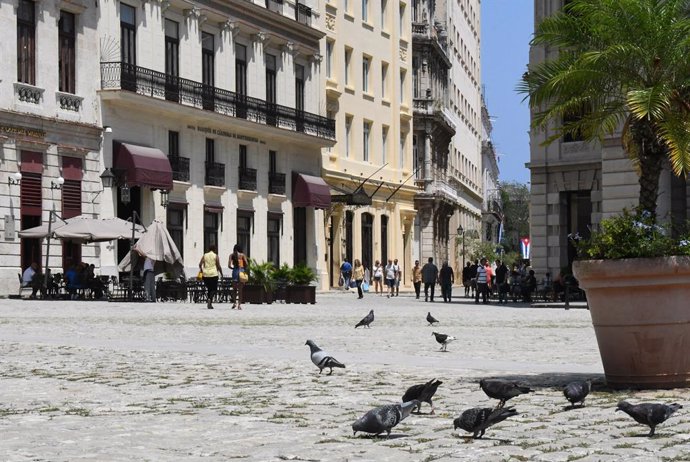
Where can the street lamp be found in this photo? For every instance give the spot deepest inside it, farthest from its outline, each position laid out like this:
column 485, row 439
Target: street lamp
column 107, row 178
column 14, row 178
column 165, row 198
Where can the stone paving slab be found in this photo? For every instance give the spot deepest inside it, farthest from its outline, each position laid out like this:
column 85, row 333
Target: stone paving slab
column 98, row 381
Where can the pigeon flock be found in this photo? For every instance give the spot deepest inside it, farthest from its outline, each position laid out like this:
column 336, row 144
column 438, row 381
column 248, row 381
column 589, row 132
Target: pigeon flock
column 475, row 420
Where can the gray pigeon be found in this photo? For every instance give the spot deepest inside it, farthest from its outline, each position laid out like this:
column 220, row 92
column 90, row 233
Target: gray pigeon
column 430, row 319
column 366, row 320
column 382, row 419
column 502, row 390
column 443, row 339
column 577, row 391
column 322, row 359
column 422, row 393
column 477, row 420
column 651, row 414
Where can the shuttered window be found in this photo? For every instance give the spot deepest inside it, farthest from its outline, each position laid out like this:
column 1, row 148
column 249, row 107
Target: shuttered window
column 26, row 42
column 71, row 199
column 31, row 194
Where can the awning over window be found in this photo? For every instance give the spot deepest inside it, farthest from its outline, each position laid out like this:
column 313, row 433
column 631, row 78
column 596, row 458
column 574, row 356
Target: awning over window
column 310, row 191
column 143, row 166
column 213, row 208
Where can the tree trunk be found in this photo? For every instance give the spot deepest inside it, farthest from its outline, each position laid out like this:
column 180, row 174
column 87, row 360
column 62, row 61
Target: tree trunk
column 652, row 153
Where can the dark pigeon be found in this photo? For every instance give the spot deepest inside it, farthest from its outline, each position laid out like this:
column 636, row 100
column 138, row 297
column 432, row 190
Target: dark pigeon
column 321, row 359
column 443, row 339
column 430, row 319
column 502, row 390
column 577, row 391
column 650, row 414
column 368, row 319
column 382, row 419
column 422, row 393
column 477, row 420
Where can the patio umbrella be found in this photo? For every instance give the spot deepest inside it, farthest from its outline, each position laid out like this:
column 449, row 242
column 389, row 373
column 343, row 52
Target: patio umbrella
column 41, row 232
column 97, row 230
column 157, row 244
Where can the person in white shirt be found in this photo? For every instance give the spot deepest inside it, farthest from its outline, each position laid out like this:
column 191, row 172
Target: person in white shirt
column 149, row 280
column 398, row 275
column 391, row 273
column 28, row 275
column 31, row 277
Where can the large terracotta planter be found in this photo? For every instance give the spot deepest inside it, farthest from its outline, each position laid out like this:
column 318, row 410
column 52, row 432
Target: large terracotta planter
column 640, row 309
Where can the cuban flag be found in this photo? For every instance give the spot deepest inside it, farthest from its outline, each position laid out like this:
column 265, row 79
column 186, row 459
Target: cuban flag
column 525, row 247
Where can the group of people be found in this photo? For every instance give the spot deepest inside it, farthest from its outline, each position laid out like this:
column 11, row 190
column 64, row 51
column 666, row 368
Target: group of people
column 210, row 270
column 386, row 278
column 430, row 275
column 78, row 277
column 481, row 278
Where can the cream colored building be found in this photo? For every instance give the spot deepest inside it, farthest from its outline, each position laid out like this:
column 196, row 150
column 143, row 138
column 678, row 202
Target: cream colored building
column 367, row 57
column 574, row 184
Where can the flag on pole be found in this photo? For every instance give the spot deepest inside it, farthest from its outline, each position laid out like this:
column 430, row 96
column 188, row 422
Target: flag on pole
column 525, row 247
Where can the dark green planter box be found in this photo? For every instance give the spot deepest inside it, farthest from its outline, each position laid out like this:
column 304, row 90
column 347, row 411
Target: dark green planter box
column 256, row 294
column 300, row 294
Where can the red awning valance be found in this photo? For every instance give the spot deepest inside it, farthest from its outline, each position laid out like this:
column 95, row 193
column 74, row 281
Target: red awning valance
column 310, row 191
column 143, row 166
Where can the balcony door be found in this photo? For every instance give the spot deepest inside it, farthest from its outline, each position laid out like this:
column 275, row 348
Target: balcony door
column 299, row 96
column 271, row 106
column 208, row 66
column 241, row 80
column 128, row 47
column 172, row 60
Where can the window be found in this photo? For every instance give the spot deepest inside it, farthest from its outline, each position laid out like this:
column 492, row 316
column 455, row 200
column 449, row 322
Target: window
column 272, row 162
column 401, row 19
column 348, row 57
column 273, row 238
column 208, row 65
column 416, row 90
column 66, row 58
column 402, row 150
column 402, row 87
column 175, row 226
column 210, row 150
column 384, row 8
column 366, row 62
column 243, row 156
column 365, row 140
column 174, row 144
column 26, row 42
column 384, row 238
column 348, row 135
column 299, row 87
column 329, row 59
column 244, row 231
column 384, row 144
column 384, row 80
column 241, row 80
column 347, row 5
column 172, row 60
column 365, row 10
column 128, row 35
column 211, row 230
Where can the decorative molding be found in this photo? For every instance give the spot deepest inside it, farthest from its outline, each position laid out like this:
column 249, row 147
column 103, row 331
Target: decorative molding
column 68, row 101
column 315, row 58
column 230, row 27
column 202, row 19
column 28, row 93
column 192, row 13
column 330, row 22
column 289, row 48
column 403, row 54
column 261, row 37
column 164, row 5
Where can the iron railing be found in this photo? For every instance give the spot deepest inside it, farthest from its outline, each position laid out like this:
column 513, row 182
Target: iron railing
column 147, row 82
column 247, row 178
column 180, row 168
column 215, row 174
column 303, row 14
column 276, row 183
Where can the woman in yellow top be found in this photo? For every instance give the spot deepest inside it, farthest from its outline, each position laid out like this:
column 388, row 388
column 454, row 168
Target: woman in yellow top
column 358, row 276
column 417, row 277
column 209, row 265
column 238, row 263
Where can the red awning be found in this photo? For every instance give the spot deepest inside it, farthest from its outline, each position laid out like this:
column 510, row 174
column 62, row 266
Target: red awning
column 143, row 166
column 310, row 191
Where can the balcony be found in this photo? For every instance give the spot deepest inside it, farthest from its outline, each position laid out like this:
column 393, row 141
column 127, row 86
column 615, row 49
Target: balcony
column 420, row 29
column 247, row 178
column 276, row 183
column 180, row 168
column 275, row 5
column 303, row 14
column 147, row 82
column 215, row 174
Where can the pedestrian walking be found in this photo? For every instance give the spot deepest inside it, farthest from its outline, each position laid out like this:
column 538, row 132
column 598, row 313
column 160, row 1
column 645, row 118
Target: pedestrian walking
column 482, row 285
column 391, row 273
column 346, row 273
column 239, row 264
column 149, row 280
column 417, row 278
column 398, row 277
column 446, row 278
column 467, row 278
column 378, row 278
column 429, row 277
column 358, row 275
column 502, row 282
column 210, row 268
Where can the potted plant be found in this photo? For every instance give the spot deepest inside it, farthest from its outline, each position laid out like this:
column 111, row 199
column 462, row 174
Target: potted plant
column 299, row 290
column 281, row 276
column 259, row 287
column 624, row 77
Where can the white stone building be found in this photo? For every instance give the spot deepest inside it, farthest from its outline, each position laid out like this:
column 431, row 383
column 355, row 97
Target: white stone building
column 492, row 209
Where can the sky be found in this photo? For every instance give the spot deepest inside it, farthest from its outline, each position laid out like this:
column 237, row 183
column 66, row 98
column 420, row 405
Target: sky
column 507, row 27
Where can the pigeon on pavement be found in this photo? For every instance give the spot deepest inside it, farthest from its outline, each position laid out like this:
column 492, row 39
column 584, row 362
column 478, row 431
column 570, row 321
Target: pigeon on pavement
column 422, row 393
column 382, row 419
column 577, row 391
column 366, row 320
column 502, row 390
column 477, row 420
column 430, row 319
column 651, row 414
column 443, row 339
column 321, row 359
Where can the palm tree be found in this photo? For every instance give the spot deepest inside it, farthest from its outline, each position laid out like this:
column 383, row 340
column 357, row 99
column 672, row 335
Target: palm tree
column 622, row 64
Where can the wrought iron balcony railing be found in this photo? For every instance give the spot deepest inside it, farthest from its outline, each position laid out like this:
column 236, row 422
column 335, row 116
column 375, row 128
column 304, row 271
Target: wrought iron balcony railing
column 180, row 168
column 276, row 183
column 215, row 174
column 247, row 179
column 303, row 14
column 147, row 82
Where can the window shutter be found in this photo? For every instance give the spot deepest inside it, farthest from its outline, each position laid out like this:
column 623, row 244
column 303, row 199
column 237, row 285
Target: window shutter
column 31, row 194
column 71, row 198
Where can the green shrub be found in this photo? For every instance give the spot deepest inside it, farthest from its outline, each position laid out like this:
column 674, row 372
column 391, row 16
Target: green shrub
column 302, row 275
column 262, row 274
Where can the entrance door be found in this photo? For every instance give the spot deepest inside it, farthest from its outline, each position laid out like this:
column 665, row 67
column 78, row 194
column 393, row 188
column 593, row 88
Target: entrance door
column 300, row 235
column 124, row 211
column 367, row 239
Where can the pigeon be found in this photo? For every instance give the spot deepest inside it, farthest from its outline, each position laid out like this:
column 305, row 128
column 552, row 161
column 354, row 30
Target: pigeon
column 382, row 419
column 477, row 420
column 366, row 320
column 430, row 319
column 502, row 390
column 651, row 414
column 443, row 339
column 321, row 359
column 422, row 393
column 577, row 391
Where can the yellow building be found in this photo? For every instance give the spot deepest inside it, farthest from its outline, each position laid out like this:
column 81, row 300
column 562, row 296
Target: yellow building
column 367, row 57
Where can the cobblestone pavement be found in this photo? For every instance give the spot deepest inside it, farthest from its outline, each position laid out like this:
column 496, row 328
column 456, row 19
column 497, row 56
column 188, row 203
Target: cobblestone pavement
column 109, row 382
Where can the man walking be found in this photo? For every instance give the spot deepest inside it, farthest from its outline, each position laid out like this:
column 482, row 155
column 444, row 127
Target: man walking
column 447, row 279
column 502, row 281
column 398, row 276
column 346, row 272
column 482, row 284
column 429, row 277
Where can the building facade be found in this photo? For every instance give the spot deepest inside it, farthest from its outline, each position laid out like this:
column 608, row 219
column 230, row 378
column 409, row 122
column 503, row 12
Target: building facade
column 50, row 135
column 575, row 184
column 367, row 73
column 492, row 210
